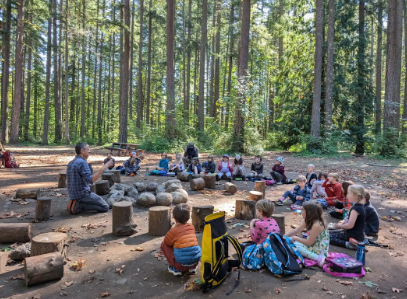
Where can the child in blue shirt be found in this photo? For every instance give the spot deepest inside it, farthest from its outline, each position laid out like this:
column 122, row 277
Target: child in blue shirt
column 163, row 163
column 300, row 194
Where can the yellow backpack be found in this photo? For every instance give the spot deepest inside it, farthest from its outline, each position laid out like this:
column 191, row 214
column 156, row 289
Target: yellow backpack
column 214, row 261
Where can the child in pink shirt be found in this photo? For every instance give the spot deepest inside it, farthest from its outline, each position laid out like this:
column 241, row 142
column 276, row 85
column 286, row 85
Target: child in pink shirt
column 262, row 227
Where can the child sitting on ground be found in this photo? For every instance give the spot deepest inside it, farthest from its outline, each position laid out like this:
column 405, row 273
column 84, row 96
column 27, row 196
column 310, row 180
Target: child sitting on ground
column 316, row 245
column 194, row 167
column 277, row 172
column 353, row 226
column 210, row 165
column 317, row 186
column 260, row 228
column 163, row 163
column 180, row 245
column 178, row 165
column 108, row 158
column 132, row 165
column 238, row 168
column 311, row 175
column 225, row 168
column 256, row 169
column 339, row 205
column 372, row 217
column 333, row 189
column 300, row 194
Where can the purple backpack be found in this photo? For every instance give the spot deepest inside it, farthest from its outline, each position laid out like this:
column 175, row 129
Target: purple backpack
column 343, row 265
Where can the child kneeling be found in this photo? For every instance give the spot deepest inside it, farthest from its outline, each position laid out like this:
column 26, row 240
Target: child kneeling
column 316, row 245
column 180, row 245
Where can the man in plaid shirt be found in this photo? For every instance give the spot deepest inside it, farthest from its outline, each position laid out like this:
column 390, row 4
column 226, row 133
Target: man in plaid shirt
column 79, row 176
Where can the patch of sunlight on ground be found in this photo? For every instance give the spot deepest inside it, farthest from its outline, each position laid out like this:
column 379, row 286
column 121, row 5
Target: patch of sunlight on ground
column 395, row 204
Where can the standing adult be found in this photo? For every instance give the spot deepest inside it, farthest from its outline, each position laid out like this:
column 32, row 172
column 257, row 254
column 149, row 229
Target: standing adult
column 79, row 176
column 191, row 151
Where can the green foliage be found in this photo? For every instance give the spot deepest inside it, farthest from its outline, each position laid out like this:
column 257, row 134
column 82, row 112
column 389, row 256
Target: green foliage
column 389, row 145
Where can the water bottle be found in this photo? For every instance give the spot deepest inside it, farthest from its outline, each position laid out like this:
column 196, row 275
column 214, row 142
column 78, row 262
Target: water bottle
column 360, row 253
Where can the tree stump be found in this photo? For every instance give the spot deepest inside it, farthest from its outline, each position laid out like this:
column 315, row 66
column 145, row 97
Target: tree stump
column 3, row 262
column 260, row 186
column 43, row 209
column 210, row 181
column 92, row 188
column 62, row 179
column 245, row 209
column 43, row 268
column 184, row 176
column 107, row 176
column 255, row 195
column 15, row 232
column 28, row 193
column 198, row 215
column 230, row 188
column 197, row 184
column 47, row 243
column 102, row 187
column 280, row 219
column 116, row 175
column 122, row 215
column 159, row 221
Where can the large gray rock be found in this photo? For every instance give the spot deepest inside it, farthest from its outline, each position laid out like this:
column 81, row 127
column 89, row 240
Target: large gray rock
column 140, row 186
column 164, row 199
column 182, row 191
column 114, row 196
column 146, row 199
column 152, row 187
column 132, row 192
column 169, row 182
column 21, row 252
column 173, row 187
column 179, row 197
column 160, row 189
column 130, row 199
column 120, row 187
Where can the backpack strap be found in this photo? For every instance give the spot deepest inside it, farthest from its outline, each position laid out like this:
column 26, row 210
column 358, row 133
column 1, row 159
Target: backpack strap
column 235, row 243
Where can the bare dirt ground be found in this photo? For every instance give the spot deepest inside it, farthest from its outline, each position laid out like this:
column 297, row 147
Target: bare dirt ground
column 146, row 276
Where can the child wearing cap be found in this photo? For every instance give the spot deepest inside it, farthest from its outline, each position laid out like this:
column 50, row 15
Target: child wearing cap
column 311, row 175
column 225, row 168
column 191, row 151
column 194, row 167
column 277, row 172
column 238, row 168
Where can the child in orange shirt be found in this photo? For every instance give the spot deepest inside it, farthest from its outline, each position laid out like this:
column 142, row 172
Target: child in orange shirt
column 180, row 245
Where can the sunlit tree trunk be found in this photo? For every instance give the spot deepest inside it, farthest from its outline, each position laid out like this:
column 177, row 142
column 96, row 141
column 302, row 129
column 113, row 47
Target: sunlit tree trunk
column 217, row 61
column 378, row 108
column 201, row 100
column 29, row 79
column 330, row 65
column 140, row 70
column 47, row 82
column 231, row 39
column 82, row 132
column 150, row 28
column 170, row 118
column 67, row 140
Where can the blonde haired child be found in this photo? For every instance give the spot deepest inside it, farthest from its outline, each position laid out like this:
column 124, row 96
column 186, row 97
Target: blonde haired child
column 260, row 228
column 178, row 165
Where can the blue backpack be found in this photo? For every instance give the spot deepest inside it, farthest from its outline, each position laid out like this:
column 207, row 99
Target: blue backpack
column 280, row 255
column 253, row 257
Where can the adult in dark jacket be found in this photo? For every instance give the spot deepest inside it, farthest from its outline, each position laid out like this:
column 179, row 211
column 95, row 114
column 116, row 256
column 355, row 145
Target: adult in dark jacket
column 191, row 151
column 372, row 217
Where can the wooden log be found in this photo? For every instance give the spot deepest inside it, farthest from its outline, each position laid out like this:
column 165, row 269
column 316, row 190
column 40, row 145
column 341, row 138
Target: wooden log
column 43, row 268
column 107, row 176
column 15, row 232
column 62, row 179
column 116, row 175
column 255, row 195
column 198, row 215
column 47, row 243
column 280, row 219
column 245, row 209
column 102, row 187
column 122, row 216
column 184, row 176
column 43, row 209
column 28, row 193
column 3, row 262
column 197, row 184
column 159, row 221
column 260, row 186
column 92, row 188
column 230, row 188
column 210, row 181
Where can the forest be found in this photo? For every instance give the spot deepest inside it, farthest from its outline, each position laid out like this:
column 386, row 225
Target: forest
column 239, row 76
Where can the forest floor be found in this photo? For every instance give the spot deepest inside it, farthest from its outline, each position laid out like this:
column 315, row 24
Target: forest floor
column 146, row 276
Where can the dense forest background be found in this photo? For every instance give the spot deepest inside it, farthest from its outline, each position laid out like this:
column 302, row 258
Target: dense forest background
column 231, row 75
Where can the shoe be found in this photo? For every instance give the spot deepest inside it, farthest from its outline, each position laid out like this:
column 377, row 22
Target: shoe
column 279, row 183
column 244, row 178
column 352, row 244
column 174, row 271
column 320, row 261
column 73, row 207
column 132, row 174
column 229, row 179
column 192, row 271
column 127, row 174
column 279, row 203
column 217, row 178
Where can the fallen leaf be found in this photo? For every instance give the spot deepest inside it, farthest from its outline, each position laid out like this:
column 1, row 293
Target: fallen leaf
column 63, row 293
column 68, row 283
column 345, row 282
column 248, row 291
column 92, row 271
column 365, row 296
column 60, row 230
column 120, row 270
column 379, row 291
column 277, row 290
column 139, row 249
column 104, row 294
column 396, row 290
column 78, row 265
column 330, row 292
column 17, row 276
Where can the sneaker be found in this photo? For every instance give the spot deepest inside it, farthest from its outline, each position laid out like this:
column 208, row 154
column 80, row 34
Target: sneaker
column 192, row 271
column 174, row 271
column 73, row 207
column 127, row 174
column 217, row 178
column 132, row 174
column 244, row 178
column 279, row 183
column 279, row 203
column 352, row 244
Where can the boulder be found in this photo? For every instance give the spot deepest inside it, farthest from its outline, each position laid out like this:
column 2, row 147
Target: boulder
column 130, row 199
column 21, row 252
column 173, row 187
column 182, row 191
column 178, row 197
column 169, row 182
column 152, row 187
column 146, row 199
column 120, row 187
column 114, row 196
column 132, row 192
column 160, row 189
column 140, row 186
column 164, row 199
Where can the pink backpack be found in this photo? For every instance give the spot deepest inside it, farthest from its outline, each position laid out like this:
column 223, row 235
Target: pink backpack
column 343, row 265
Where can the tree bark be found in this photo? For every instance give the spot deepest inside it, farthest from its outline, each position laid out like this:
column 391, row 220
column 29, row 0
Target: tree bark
column 231, row 39
column 122, row 219
column 100, row 111
column 19, row 69
column 245, row 209
column 210, row 181
column 57, row 98
column 404, row 118
column 319, row 40
column 28, row 193
column 29, row 79
column 133, row 8
column 43, row 268
column 330, row 65
column 67, row 139
column 140, row 69
column 197, row 184
column 230, row 188
column 201, row 100
column 378, row 106
column 217, row 62
column 255, row 195
column 48, row 243
column 16, row 232
column 280, row 219
column 188, row 91
column 159, row 221
column 170, row 119
column 150, row 33
column 261, row 187
column 95, row 70
column 82, row 131
column 62, row 179
column 102, row 187
column 198, row 215
column 43, row 209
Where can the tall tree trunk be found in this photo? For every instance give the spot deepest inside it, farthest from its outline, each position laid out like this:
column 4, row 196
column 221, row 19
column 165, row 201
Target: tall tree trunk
column 188, row 91
column 140, row 70
column 319, row 39
column 170, row 119
column 330, row 65
column 378, row 114
column 150, row 28
column 67, row 139
column 58, row 112
column 184, row 84
column 217, row 62
column 112, row 110
column 131, row 60
column 124, row 94
column 35, row 129
column 201, row 101
column 231, row 39
column 391, row 116
column 82, row 133
column 95, row 71
column 238, row 145
column 47, row 82
column 404, row 118
column 100, row 124
column 5, row 78
column 29, row 78
column 212, row 61
column 19, row 69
